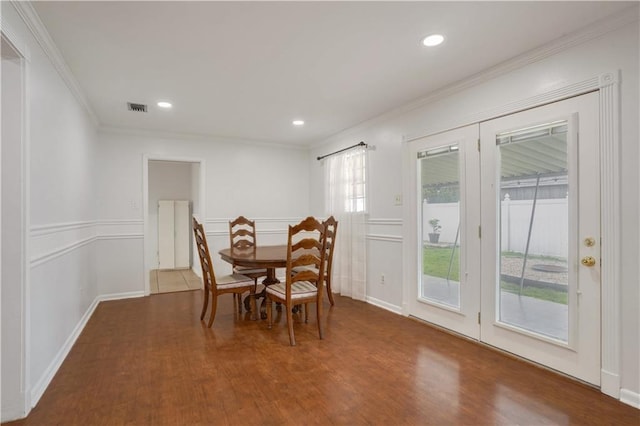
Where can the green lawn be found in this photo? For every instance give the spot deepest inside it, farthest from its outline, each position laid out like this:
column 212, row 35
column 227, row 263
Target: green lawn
column 436, row 264
column 535, row 292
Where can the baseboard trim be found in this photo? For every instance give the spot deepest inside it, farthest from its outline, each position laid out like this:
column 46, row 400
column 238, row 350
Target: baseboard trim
column 38, row 389
column 610, row 384
column 119, row 296
column 384, row 305
column 14, row 409
column 630, row 398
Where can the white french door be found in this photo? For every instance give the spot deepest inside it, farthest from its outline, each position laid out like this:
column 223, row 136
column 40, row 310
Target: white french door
column 448, row 202
column 541, row 235
column 508, row 234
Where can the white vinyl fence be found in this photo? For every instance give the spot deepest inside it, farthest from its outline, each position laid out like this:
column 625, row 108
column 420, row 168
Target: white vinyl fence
column 549, row 234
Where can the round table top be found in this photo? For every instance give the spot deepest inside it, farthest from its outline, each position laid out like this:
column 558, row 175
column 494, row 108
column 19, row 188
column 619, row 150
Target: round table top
column 257, row 257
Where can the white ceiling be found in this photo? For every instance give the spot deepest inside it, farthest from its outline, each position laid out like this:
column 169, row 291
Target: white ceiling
column 247, row 69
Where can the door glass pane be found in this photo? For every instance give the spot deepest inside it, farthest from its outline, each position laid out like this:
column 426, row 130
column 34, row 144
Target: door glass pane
column 533, row 252
column 440, row 204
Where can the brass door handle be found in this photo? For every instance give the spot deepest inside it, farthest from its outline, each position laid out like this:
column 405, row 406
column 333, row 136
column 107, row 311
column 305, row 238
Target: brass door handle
column 588, row 261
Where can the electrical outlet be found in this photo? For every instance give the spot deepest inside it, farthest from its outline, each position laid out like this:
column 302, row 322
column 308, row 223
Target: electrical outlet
column 382, row 279
column 398, row 200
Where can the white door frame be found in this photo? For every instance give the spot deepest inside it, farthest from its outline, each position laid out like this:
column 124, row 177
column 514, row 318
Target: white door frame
column 463, row 318
column 145, row 203
column 22, row 396
column 579, row 354
column 608, row 85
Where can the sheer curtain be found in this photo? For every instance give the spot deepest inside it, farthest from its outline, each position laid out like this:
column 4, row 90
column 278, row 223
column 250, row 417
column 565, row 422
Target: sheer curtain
column 346, row 200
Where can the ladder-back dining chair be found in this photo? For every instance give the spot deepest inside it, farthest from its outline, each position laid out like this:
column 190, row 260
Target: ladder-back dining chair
column 215, row 286
column 242, row 236
column 303, row 281
column 331, row 229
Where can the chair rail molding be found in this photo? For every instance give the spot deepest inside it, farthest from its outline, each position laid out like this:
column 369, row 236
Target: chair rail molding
column 384, row 238
column 50, row 241
column 382, row 221
column 52, row 228
column 120, row 229
column 216, row 221
column 60, row 251
column 219, row 227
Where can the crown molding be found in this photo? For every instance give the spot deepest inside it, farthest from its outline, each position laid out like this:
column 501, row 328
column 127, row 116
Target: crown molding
column 40, row 33
column 12, row 38
column 195, row 137
column 584, row 35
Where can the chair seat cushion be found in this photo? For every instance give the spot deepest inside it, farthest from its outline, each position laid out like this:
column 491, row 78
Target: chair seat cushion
column 233, row 281
column 248, row 270
column 299, row 290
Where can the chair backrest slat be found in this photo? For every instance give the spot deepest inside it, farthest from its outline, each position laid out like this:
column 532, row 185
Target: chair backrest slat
column 242, row 233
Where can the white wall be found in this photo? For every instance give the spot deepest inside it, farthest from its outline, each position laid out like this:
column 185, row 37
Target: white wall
column 61, row 278
column 264, row 182
column 617, row 50
column 168, row 180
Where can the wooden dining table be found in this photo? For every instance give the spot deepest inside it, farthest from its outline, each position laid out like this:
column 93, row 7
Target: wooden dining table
column 258, row 257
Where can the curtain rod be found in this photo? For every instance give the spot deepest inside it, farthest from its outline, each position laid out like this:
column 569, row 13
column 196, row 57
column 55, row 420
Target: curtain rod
column 343, row 149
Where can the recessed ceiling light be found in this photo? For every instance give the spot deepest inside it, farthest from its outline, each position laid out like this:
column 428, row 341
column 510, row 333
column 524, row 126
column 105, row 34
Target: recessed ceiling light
column 298, row 122
column 433, row 40
column 163, row 104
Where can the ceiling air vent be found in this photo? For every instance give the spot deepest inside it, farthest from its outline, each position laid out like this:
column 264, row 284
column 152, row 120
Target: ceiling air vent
column 136, row 107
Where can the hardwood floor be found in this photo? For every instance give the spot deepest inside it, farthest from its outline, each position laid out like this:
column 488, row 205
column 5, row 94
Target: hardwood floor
column 150, row 361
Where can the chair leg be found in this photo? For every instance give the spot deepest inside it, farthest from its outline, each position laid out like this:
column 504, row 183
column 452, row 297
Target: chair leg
column 319, row 317
column 239, row 300
column 214, row 307
column 269, row 313
column 306, row 312
column 205, row 303
column 254, row 306
column 329, row 292
column 292, row 338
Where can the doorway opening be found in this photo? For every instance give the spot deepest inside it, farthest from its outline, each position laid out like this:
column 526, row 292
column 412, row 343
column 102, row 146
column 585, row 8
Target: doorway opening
column 174, row 193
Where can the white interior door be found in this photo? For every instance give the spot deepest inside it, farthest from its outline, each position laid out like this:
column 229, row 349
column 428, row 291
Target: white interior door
column 540, row 245
column 166, row 235
column 447, row 290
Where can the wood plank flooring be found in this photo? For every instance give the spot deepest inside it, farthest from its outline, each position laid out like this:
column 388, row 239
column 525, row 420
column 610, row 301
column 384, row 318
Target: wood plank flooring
column 150, row 361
